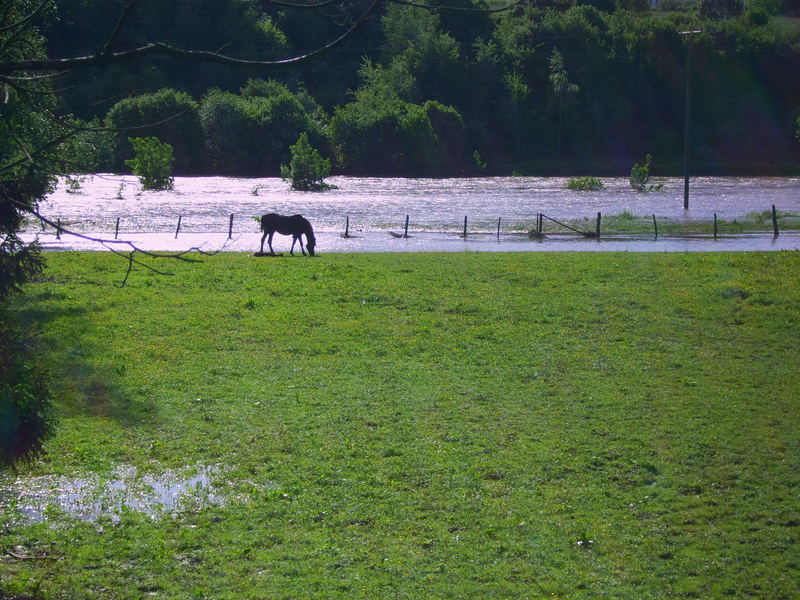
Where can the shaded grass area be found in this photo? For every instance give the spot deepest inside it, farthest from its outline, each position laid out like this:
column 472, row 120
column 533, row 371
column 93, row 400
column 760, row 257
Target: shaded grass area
column 428, row 426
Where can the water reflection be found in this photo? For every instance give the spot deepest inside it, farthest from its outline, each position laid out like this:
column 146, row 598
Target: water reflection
column 89, row 498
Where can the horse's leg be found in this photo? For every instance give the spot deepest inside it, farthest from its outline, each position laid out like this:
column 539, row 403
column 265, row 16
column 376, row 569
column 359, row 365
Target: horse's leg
column 263, row 237
column 300, row 238
column 269, row 242
column 294, row 239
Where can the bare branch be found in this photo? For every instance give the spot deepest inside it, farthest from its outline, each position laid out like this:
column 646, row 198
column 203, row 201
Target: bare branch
column 106, row 49
column 163, row 49
column 35, row 78
column 132, row 251
column 302, row 5
column 440, row 7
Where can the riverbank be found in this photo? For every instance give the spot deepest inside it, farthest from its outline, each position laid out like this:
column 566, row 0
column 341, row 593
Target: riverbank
column 427, row 425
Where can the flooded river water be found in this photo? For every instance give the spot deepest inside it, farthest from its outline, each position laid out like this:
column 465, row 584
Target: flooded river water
column 436, row 209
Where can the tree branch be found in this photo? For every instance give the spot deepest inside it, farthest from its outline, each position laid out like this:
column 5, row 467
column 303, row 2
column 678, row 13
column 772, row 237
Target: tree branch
column 439, row 7
column 164, row 49
column 25, row 20
column 21, row 26
column 129, row 255
column 106, row 49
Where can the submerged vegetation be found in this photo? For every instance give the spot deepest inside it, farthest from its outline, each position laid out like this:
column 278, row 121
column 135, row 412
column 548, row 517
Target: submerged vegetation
column 427, row 425
column 584, row 184
column 640, row 177
column 306, row 170
column 152, row 162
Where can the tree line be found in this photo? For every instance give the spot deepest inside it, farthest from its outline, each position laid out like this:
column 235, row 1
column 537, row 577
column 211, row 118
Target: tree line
column 570, row 86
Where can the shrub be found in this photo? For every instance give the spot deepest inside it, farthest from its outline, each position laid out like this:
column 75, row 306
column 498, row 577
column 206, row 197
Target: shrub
column 307, row 169
column 388, row 136
column 640, row 177
column 152, row 163
column 250, row 133
column 584, row 184
column 171, row 116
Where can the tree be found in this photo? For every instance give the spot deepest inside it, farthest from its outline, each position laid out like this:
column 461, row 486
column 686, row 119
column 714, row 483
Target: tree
column 720, row 9
column 169, row 115
column 306, row 170
column 152, row 163
column 250, row 133
column 640, row 177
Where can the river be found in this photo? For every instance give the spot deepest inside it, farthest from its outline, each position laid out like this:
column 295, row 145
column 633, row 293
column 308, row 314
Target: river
column 436, row 209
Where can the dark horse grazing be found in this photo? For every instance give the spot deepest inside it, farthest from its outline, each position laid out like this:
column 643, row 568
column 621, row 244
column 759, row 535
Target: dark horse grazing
column 294, row 226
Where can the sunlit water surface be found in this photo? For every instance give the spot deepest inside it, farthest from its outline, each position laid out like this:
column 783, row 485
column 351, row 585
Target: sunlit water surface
column 436, row 210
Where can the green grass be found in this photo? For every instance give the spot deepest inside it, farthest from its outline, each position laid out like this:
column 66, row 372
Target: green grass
column 426, row 426
column 629, row 223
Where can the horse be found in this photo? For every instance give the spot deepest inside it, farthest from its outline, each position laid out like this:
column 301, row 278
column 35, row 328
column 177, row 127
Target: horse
column 295, row 226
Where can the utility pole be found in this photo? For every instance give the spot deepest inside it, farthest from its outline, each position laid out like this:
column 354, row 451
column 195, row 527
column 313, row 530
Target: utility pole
column 688, row 116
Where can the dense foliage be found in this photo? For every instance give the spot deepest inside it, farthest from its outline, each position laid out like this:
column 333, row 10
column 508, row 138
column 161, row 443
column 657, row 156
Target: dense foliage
column 30, row 144
column 640, row 177
column 584, row 184
column 306, row 170
column 569, row 87
column 152, row 163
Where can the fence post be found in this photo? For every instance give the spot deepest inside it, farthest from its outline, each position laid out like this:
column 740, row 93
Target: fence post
column 405, row 230
column 539, row 224
column 498, row 227
column 598, row 226
column 774, row 221
column 347, row 226
column 178, row 228
column 465, row 227
column 655, row 225
column 715, row 225
column 230, row 227
column 116, row 229
column 58, row 229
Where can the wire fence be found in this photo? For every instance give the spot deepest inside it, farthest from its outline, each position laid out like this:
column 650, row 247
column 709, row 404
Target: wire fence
column 542, row 225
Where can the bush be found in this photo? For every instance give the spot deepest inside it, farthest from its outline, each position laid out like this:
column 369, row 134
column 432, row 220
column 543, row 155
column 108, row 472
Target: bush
column 640, row 177
column 307, row 169
column 584, row 184
column 152, row 163
column 250, row 133
column 384, row 135
column 170, row 116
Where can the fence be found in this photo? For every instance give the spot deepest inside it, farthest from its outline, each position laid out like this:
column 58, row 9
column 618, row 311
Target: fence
column 544, row 225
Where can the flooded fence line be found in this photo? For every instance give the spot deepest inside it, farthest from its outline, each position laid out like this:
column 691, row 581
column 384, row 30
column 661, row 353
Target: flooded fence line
column 536, row 231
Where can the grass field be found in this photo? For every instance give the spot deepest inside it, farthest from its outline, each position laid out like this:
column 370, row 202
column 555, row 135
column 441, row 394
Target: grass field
column 422, row 426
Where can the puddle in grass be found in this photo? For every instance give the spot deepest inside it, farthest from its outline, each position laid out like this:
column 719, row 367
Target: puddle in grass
column 38, row 499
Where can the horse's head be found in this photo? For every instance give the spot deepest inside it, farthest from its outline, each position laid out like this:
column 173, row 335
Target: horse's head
column 311, row 243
